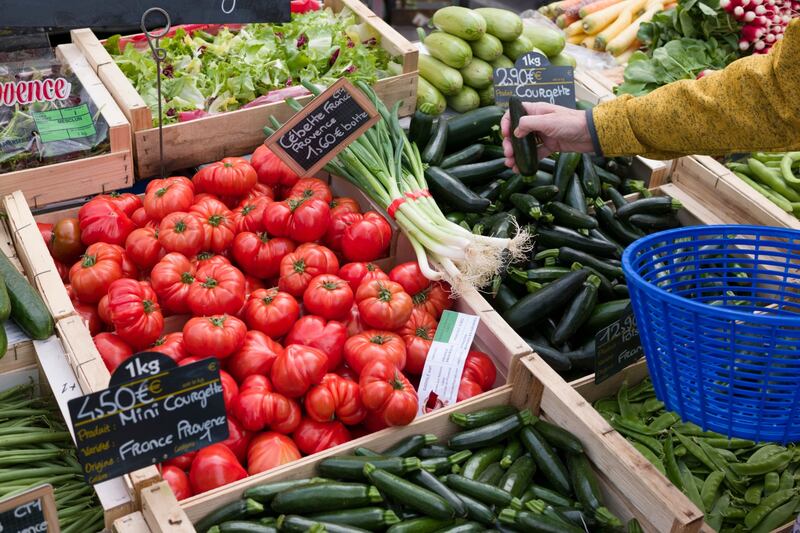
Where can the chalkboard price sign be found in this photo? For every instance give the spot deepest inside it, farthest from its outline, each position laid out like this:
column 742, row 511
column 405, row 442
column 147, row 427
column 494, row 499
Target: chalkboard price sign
column 102, row 13
column 618, row 345
column 323, row 128
column 534, row 79
column 161, row 414
column 33, row 511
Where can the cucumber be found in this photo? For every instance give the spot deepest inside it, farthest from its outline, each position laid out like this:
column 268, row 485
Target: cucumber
column 449, row 49
column 517, row 48
column 565, row 169
column 570, row 217
column 554, row 296
column 330, row 496
column 486, row 96
column 478, row 74
column 557, row 236
column 550, row 42
column 461, row 22
column 5, row 302
column 480, row 461
column 658, row 205
column 543, row 193
column 301, row 524
column 536, row 492
column 410, row 445
column 558, row 437
column 546, row 459
column 518, row 476
column 409, row 494
column 525, row 151
column 502, row 62
column 265, row 493
column 446, row 79
column 567, row 256
column 468, row 155
column 478, row 173
column 429, row 481
column 503, row 24
column 369, row 518
column 492, row 475
column 589, row 178
column 454, row 193
column 464, row 100
column 430, row 101
column 236, row 510
column 584, row 482
column 434, row 150
column 351, row 467
column 27, row 307
column 578, row 312
column 468, row 128
column 482, row 492
column 488, row 47
column 421, row 128
column 477, row 510
column 491, row 433
column 606, row 313
column 242, row 526
column 422, row 524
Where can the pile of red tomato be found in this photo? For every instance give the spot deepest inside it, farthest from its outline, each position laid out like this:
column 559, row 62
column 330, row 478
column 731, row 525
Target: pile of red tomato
column 318, row 344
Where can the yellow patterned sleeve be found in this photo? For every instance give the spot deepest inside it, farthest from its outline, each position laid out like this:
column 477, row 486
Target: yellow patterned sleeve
column 751, row 105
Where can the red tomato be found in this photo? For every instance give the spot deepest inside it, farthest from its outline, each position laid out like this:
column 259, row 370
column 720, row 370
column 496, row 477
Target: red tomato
column 63, row 270
column 271, row 312
column 249, row 216
column 357, row 273
column 337, row 227
column 218, row 224
column 140, row 218
column 171, row 278
column 260, row 256
column 311, row 188
column 386, row 390
column 260, row 190
column 467, row 389
column 129, row 268
column 143, row 248
column 171, row 345
column 102, row 221
column 126, row 201
column 177, row 480
column 383, row 304
column 238, row 439
column 182, row 462
column 46, row 231
column 347, row 373
column 135, row 312
column 168, row 195
column 480, row 368
column 314, row 331
column 91, row 276
column 181, row 232
column 354, row 325
column 328, row 296
column 373, row 344
column 270, row 450
column 271, row 170
column 435, row 299
column 65, row 240
column 217, row 335
column 233, row 176
column 89, row 317
column 299, row 267
column 257, row 407
column 218, row 289
column 418, row 334
column 335, row 397
column 209, row 258
column 410, row 277
column 251, row 285
column 367, row 239
column 313, row 437
column 256, row 382
column 304, row 220
column 230, row 390
column 255, row 356
column 113, row 350
column 374, row 422
column 102, row 310
column 297, row 368
column 343, row 204
column 214, row 466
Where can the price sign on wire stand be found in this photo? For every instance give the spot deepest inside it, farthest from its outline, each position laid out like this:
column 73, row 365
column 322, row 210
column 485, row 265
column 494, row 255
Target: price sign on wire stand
column 163, row 412
column 323, row 128
column 534, row 79
column 33, row 511
column 618, row 346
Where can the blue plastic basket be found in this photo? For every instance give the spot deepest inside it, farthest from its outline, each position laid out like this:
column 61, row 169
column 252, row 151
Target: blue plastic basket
column 718, row 312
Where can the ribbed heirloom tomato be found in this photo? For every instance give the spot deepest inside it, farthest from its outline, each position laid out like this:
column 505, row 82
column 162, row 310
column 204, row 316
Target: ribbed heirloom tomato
column 418, row 335
column 218, row 289
column 297, row 368
column 218, row 224
column 172, row 346
column 90, row 317
column 480, row 369
column 94, row 273
column 271, row 170
column 113, row 350
column 383, row 304
column 313, row 437
column 357, row 273
column 168, row 195
column 238, row 439
column 328, row 296
column 343, row 204
column 230, row 389
column 260, row 256
column 126, row 201
column 271, row 312
column 181, row 232
column 385, row 390
column 249, row 216
column 143, row 247
column 269, row 450
column 171, row 279
column 410, row 277
column 233, row 176
column 327, row 336
column 216, row 335
column 337, row 227
column 177, row 480
column 311, row 188
column 374, row 344
column 254, row 356
column 135, row 312
column 306, row 262
column 303, row 220
column 214, row 466
column 129, row 269
column 335, row 397
column 258, row 407
column 367, row 239
column 433, row 297
column 102, row 221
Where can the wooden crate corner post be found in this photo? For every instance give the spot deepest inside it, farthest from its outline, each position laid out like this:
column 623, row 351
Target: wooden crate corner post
column 162, row 512
column 132, row 523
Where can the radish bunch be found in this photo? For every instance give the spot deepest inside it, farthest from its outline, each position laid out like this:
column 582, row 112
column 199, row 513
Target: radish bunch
column 764, row 21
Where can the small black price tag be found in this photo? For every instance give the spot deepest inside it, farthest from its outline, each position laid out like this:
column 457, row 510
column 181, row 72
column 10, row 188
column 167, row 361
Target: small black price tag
column 163, row 412
column 33, row 511
column 323, row 128
column 534, row 79
column 618, row 346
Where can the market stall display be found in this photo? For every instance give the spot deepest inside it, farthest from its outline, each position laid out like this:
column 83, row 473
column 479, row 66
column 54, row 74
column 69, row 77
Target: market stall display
column 774, row 176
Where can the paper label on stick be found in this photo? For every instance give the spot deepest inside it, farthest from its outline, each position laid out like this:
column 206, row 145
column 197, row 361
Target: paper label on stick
column 438, row 386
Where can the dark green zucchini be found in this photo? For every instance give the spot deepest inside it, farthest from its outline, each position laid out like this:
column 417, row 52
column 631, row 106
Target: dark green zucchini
column 421, row 128
column 513, row 185
column 659, row 205
column 472, row 126
column 557, row 237
column 236, row 510
column 470, row 154
column 536, row 492
column 619, row 229
column 547, row 460
column 435, row 450
column 422, row 524
column 476, row 510
column 554, row 296
column 454, row 193
column 541, row 178
column 351, row 467
column 651, row 223
column 434, row 150
column 504, row 299
column 527, row 204
column 432, row 483
column 565, row 170
column 27, row 307
column 569, row 216
column 491, row 433
column 608, row 177
column 478, row 173
column 558, row 436
column 301, row 524
column 492, row 151
column 616, row 197
column 525, row 154
column 369, row 518
column 543, row 193
column 242, row 526
column 578, row 311
column 584, row 482
column 264, row 493
column 551, row 356
column 410, row 445
column 548, row 164
column 526, row 521
column 540, row 275
column 481, row 417
column 330, row 496
column 606, row 313
column 492, row 475
column 490, row 191
column 480, row 461
column 589, row 178
column 487, row 494
column 518, row 476
column 568, row 256
column 409, row 494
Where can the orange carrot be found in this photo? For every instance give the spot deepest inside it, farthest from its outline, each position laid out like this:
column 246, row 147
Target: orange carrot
column 562, row 6
column 596, row 6
column 575, row 10
column 565, row 20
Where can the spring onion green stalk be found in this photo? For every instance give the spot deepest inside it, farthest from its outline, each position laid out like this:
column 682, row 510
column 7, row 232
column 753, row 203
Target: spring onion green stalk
column 386, row 166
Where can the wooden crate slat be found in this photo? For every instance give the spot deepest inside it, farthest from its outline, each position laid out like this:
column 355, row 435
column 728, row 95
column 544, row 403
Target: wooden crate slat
column 91, row 48
column 162, row 512
column 131, row 103
column 133, row 523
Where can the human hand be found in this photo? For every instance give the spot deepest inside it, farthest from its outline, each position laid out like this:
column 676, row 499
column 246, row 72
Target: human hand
column 560, row 129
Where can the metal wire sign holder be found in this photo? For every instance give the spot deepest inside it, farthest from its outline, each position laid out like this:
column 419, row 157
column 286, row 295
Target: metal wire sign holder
column 159, row 55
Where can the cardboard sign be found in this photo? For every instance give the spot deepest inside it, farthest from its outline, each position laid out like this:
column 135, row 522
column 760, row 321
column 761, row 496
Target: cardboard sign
column 618, row 346
column 33, row 511
column 441, row 376
column 534, row 79
column 323, row 128
column 164, row 413
column 100, row 13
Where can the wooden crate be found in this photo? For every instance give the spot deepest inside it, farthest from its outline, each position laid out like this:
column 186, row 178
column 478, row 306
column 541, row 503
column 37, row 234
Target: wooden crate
column 238, row 132
column 71, row 179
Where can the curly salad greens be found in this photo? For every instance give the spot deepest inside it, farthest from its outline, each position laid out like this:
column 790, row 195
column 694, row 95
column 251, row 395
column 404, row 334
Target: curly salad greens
column 240, row 67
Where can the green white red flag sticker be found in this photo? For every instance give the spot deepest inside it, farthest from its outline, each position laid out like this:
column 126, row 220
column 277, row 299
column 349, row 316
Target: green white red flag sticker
column 438, row 386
